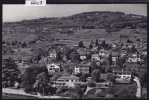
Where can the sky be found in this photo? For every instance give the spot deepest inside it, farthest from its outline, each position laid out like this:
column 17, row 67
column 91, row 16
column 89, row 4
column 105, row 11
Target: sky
column 13, row 12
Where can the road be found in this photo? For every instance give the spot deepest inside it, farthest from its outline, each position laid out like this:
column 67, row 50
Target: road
column 138, row 93
column 21, row 92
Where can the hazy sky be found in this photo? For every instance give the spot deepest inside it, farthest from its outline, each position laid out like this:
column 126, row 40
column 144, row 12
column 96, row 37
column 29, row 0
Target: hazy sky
column 20, row 12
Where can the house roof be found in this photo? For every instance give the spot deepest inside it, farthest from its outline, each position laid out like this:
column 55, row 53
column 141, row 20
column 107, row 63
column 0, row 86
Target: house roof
column 69, row 77
column 56, row 65
column 124, row 48
column 120, row 71
column 114, row 54
column 95, row 55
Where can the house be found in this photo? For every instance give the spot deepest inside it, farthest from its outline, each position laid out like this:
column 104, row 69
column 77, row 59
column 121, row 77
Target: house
column 52, row 53
column 83, row 56
column 81, row 69
column 104, row 53
column 144, row 51
column 122, row 76
column 115, row 56
column 95, row 57
column 53, row 67
column 114, row 45
column 123, row 51
column 81, row 50
column 133, row 57
column 66, row 81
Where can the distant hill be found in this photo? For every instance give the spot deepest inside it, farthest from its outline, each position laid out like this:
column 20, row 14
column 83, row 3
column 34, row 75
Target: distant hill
column 86, row 18
column 43, row 27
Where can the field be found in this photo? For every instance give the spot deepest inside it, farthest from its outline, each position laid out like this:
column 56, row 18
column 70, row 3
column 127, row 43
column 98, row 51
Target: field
column 88, row 35
column 22, row 37
column 14, row 96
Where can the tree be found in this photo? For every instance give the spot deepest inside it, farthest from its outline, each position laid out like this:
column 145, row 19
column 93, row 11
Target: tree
column 103, row 43
column 120, row 62
column 61, row 89
column 81, row 44
column 59, row 56
column 11, row 71
column 75, row 57
column 84, row 76
column 93, row 65
column 143, row 77
column 66, row 51
column 96, row 75
column 41, row 83
column 90, row 46
column 138, row 40
column 133, row 49
column 96, row 42
column 29, row 77
column 110, row 59
column 24, row 45
column 111, row 77
column 91, row 83
column 127, row 92
column 80, row 90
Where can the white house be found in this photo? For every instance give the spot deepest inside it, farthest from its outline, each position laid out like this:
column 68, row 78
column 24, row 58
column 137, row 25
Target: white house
column 102, row 53
column 133, row 58
column 95, row 57
column 52, row 54
column 83, row 56
column 115, row 56
column 81, row 69
column 67, row 81
column 122, row 76
column 53, row 67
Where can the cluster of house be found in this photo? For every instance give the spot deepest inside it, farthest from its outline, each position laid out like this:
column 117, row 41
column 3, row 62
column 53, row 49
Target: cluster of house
column 70, row 81
column 122, row 76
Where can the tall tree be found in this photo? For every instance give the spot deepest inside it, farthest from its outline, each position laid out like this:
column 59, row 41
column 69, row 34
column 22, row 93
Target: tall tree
column 96, row 42
column 96, row 75
column 81, row 44
column 41, row 83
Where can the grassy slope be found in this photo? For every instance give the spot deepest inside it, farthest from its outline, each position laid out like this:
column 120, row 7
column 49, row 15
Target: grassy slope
column 23, row 37
column 13, row 96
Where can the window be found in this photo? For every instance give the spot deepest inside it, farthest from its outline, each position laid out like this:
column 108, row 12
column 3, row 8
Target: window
column 128, row 73
column 67, row 80
column 71, row 80
column 115, row 73
column 51, row 66
column 124, row 73
column 120, row 73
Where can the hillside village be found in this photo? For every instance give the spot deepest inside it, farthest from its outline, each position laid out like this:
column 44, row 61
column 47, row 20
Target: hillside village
column 92, row 56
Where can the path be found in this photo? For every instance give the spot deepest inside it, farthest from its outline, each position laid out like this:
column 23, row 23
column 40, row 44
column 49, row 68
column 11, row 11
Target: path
column 138, row 93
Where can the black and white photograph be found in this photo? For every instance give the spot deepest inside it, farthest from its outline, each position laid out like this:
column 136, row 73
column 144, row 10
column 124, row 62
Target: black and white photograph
column 74, row 51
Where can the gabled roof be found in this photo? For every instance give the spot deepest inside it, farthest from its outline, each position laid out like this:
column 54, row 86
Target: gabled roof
column 120, row 71
column 95, row 55
column 53, row 64
column 69, row 77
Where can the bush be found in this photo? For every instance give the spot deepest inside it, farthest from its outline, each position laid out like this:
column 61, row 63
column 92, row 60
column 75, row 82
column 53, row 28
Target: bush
column 70, row 94
column 61, row 89
column 91, row 84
